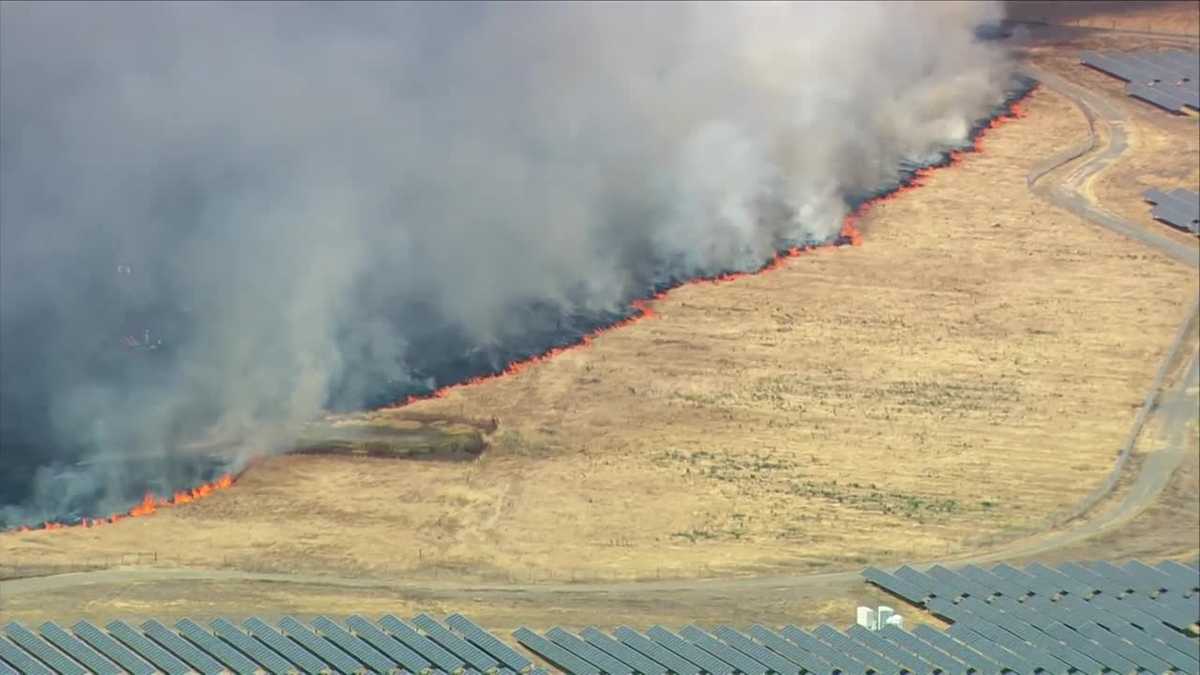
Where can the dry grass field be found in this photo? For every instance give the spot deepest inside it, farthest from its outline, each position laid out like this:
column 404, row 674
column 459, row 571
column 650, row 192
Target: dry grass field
column 1181, row 18
column 964, row 377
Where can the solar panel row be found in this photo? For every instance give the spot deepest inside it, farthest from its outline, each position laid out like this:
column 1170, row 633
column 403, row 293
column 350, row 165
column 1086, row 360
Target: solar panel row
column 10, row 654
column 427, row 648
column 1166, row 584
column 142, row 645
column 329, row 653
column 982, row 647
column 1086, row 617
column 164, row 637
column 257, row 651
column 42, row 650
column 1090, row 617
column 1179, row 208
column 90, row 659
column 101, row 642
column 285, row 647
column 1169, row 80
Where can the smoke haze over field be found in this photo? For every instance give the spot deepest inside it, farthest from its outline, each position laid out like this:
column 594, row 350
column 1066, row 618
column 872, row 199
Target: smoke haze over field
column 319, row 203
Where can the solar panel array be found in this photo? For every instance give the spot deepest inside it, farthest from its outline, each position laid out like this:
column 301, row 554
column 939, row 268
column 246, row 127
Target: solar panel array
column 390, row 645
column 1166, row 79
column 1091, row 617
column 1180, row 208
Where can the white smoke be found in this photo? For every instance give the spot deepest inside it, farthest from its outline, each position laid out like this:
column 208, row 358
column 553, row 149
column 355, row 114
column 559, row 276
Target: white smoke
column 322, row 190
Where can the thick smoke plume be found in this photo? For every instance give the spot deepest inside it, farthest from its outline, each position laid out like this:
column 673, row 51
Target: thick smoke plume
column 320, row 206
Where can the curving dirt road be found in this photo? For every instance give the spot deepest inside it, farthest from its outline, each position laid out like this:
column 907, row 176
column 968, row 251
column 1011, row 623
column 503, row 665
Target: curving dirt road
column 1060, row 181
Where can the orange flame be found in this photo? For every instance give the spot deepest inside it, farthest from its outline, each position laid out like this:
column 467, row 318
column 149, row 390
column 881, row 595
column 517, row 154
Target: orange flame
column 149, row 504
column 145, row 508
column 849, row 234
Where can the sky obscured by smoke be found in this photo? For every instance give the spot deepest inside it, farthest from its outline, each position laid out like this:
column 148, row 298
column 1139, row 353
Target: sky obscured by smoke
column 315, row 199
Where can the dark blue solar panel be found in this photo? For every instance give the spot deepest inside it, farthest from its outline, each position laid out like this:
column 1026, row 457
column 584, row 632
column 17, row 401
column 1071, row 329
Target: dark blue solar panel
column 216, row 648
column 659, row 653
column 488, row 642
column 422, row 645
column 1119, row 580
column 982, row 611
column 1165, row 79
column 1152, row 578
column 1186, row 578
column 843, row 661
column 946, row 609
column 895, row 586
column 944, row 661
column 454, row 644
column 114, row 650
column 1020, row 611
column 1185, row 607
column 1163, row 98
column 1162, row 610
column 1126, row 609
column 554, row 654
column 992, row 650
column 17, row 657
column 314, row 643
column 623, row 653
column 257, row 651
column 959, row 650
column 834, row 638
column 360, row 650
column 78, row 650
column 147, row 649
column 1041, row 651
column 722, row 651
column 959, row 583
column 43, row 650
column 290, row 650
column 186, row 651
column 810, row 661
column 1023, row 580
column 587, row 652
column 791, row 651
column 1097, row 652
column 893, row 652
column 688, row 651
column 1058, row 580
column 394, row 649
column 924, row 582
column 1183, row 660
column 1145, row 659
column 1087, row 577
column 776, row 662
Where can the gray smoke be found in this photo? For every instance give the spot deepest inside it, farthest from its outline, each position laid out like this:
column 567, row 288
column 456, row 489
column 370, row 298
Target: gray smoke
column 306, row 200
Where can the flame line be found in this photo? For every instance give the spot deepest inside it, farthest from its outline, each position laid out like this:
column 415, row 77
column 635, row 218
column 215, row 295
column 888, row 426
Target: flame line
column 849, row 235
